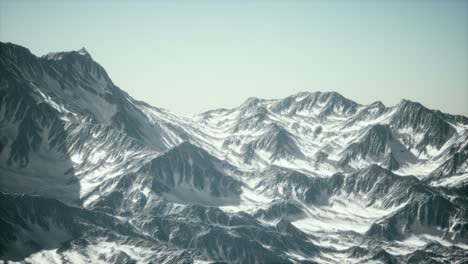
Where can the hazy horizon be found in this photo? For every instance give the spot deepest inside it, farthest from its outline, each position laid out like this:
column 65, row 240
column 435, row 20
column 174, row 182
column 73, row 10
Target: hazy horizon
column 196, row 56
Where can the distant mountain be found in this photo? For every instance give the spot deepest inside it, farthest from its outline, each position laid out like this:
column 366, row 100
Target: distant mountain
column 89, row 174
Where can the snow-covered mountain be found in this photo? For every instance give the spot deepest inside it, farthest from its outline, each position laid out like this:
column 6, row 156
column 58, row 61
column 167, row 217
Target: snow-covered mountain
column 89, row 174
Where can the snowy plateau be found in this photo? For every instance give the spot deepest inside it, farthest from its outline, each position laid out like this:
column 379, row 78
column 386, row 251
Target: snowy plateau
column 90, row 175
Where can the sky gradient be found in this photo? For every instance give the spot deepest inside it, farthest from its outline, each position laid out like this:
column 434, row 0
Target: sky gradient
column 192, row 56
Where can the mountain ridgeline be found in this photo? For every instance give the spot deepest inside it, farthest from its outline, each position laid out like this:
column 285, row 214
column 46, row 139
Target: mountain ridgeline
column 89, row 174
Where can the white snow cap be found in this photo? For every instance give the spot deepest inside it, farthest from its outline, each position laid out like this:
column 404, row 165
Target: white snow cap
column 83, row 51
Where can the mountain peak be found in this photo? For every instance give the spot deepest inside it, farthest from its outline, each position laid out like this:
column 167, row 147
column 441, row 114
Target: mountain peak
column 305, row 94
column 11, row 50
column 83, row 52
column 188, row 149
column 63, row 54
column 251, row 102
column 328, row 94
column 335, row 96
column 279, row 142
column 252, row 106
column 186, row 146
column 323, row 104
column 406, row 107
column 276, row 128
column 377, row 104
column 405, row 103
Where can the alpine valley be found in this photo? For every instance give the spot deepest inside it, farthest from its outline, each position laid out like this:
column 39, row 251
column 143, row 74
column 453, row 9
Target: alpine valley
column 90, row 175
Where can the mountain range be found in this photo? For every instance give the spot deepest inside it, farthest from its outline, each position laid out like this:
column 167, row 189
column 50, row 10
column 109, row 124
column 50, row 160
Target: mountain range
column 89, row 174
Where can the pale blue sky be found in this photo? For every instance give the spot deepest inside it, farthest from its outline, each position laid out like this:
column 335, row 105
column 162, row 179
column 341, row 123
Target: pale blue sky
column 191, row 56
